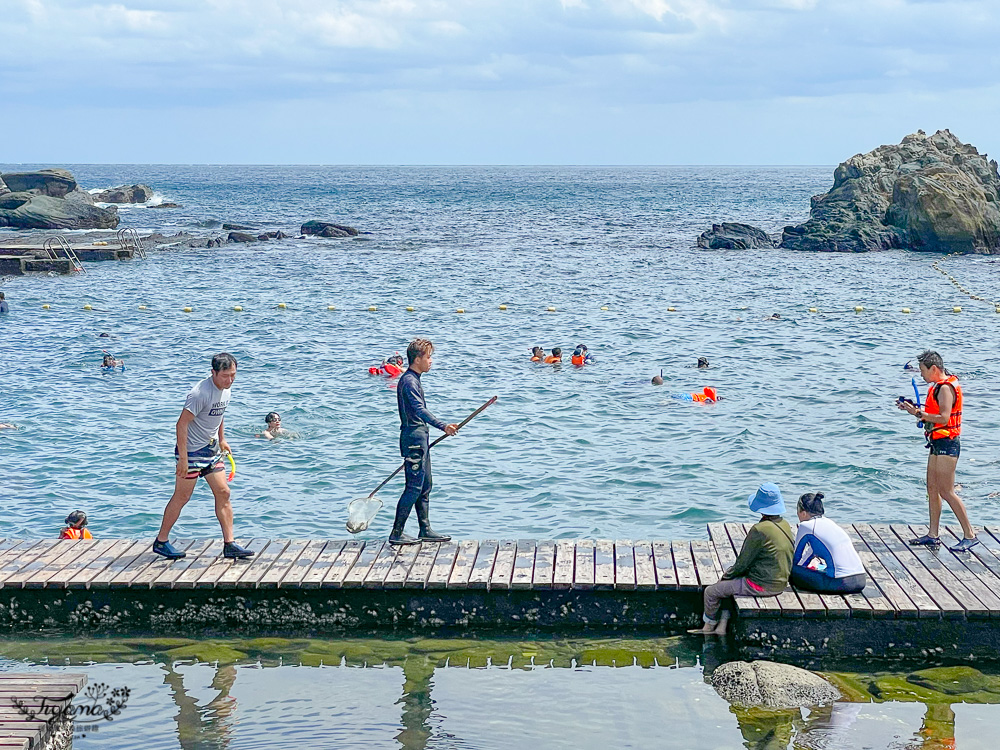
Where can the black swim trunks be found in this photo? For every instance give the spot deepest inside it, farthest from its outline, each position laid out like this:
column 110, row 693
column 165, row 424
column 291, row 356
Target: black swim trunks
column 945, row 447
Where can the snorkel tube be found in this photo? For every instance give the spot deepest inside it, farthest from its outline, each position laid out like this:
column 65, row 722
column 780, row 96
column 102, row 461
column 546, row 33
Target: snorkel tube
column 916, row 392
column 232, row 467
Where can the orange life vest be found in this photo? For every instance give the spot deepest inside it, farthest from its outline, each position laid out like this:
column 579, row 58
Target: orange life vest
column 536, row 359
column 552, row 359
column 954, row 427
column 578, row 360
column 70, row 533
column 708, row 395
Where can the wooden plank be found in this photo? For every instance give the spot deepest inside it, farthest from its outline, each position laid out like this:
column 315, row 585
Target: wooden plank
column 986, row 599
column 322, row 564
column 413, row 573
column 482, row 569
column 125, row 576
column 405, row 559
column 444, row 561
column 981, row 561
column 282, row 564
column 908, row 556
column 303, row 564
column 543, row 573
column 173, row 569
column 248, row 572
column 20, row 557
column 45, row 566
column 704, row 563
column 663, row 565
column 62, row 577
column 192, row 566
column 624, row 565
column 503, row 566
column 687, row 577
column 524, row 564
column 220, row 566
column 584, row 578
column 900, row 576
column 461, row 573
column 565, row 570
column 645, row 571
column 745, row 605
column 335, row 576
column 375, row 578
column 886, row 597
column 12, row 551
column 604, row 564
column 356, row 575
column 162, row 566
column 102, row 578
column 766, row 605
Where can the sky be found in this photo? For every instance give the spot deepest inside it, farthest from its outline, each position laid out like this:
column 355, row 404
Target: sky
column 490, row 81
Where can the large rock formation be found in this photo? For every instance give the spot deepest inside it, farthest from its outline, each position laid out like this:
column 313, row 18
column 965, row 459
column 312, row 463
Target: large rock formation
column 930, row 193
column 734, row 236
column 772, row 685
column 50, row 199
column 125, row 194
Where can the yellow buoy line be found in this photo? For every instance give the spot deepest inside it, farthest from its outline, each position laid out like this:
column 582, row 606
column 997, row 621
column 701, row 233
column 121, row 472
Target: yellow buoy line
column 958, row 285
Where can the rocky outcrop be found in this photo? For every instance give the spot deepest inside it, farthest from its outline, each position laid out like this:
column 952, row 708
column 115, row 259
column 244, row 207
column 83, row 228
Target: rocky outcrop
column 3, row 187
column 55, row 183
column 242, row 237
column 931, row 193
column 326, row 229
column 125, row 194
column 734, row 236
column 33, row 211
column 772, row 685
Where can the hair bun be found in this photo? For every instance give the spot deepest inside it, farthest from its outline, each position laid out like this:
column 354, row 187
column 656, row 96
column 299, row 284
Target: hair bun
column 818, row 496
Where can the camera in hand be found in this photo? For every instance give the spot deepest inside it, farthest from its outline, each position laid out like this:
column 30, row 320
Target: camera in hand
column 905, row 400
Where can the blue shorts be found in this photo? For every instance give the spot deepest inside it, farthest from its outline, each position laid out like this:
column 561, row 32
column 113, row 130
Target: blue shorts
column 203, row 461
column 945, row 447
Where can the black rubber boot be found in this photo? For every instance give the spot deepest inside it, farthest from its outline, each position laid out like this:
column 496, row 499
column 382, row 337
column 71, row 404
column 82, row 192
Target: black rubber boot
column 398, row 536
column 427, row 534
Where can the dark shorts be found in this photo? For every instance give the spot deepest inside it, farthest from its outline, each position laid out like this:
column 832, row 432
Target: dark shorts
column 945, row 447
column 203, row 461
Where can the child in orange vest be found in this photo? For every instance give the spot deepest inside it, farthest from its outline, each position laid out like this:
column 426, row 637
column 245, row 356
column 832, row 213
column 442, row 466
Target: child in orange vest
column 75, row 526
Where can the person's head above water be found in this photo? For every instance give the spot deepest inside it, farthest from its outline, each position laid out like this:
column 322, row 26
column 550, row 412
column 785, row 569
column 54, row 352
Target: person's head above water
column 556, row 352
column 537, row 351
column 273, row 419
column 702, row 362
column 77, row 519
column 657, row 380
column 109, row 360
column 104, row 335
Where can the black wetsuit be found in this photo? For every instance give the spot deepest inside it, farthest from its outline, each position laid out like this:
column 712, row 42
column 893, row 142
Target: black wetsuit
column 414, row 442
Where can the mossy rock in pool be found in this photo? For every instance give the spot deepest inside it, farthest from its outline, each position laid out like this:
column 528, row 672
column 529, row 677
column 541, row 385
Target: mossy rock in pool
column 896, row 688
column 853, row 687
column 274, row 646
column 615, row 657
column 443, row 645
column 958, row 681
column 208, row 652
column 158, row 644
column 84, row 650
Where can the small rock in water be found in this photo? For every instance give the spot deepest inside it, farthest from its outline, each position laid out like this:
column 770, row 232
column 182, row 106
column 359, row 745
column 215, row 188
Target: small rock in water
column 125, row 194
column 734, row 236
column 241, row 237
column 326, row 229
column 772, row 685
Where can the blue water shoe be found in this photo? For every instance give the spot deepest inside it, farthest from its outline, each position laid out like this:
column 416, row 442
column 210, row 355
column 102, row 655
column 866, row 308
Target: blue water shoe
column 926, row 541
column 965, row 545
column 168, row 550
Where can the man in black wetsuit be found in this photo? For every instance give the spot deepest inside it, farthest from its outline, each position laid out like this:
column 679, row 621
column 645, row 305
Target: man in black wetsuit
column 414, row 445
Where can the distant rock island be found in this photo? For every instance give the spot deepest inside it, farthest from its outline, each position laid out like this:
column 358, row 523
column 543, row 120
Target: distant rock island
column 50, row 199
column 929, row 193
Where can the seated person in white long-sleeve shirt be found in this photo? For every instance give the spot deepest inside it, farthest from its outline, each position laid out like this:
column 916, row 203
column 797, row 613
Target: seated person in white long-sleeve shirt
column 825, row 560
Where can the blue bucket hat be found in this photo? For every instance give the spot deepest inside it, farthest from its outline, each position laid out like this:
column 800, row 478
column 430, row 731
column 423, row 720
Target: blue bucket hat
column 767, row 500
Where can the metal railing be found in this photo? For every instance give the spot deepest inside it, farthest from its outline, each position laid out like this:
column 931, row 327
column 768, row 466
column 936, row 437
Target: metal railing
column 129, row 239
column 56, row 244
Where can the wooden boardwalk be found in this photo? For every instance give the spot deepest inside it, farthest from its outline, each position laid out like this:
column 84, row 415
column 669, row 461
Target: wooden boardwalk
column 904, row 582
column 27, row 704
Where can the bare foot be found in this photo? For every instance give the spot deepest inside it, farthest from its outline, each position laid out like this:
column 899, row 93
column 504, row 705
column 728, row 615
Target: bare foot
column 707, row 629
column 720, row 629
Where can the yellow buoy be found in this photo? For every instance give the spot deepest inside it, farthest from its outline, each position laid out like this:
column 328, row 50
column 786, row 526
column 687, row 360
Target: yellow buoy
column 282, row 305
column 372, row 308
column 187, row 309
column 671, row 309
column 45, row 307
column 813, row 309
column 237, row 308
column 956, row 308
column 409, row 308
column 905, row 310
column 460, row 310
column 604, row 308
column 550, row 309
column 87, row 307
column 503, row 307
column 858, row 308
column 330, row 307
column 142, row 307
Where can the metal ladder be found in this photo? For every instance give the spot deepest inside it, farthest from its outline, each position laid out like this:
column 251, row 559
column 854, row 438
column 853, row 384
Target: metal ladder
column 129, row 238
column 53, row 245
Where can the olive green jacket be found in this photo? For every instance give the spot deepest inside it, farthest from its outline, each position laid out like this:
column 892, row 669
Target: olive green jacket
column 766, row 557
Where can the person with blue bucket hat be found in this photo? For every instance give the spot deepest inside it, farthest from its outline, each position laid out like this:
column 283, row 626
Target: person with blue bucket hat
column 763, row 565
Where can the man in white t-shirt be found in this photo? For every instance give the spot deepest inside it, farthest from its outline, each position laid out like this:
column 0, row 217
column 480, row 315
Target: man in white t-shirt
column 201, row 443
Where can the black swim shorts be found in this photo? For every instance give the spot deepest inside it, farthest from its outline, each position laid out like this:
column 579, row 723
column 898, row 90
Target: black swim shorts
column 945, row 447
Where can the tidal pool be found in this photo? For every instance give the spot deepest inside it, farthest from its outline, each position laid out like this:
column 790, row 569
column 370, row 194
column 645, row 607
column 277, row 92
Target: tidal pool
column 467, row 693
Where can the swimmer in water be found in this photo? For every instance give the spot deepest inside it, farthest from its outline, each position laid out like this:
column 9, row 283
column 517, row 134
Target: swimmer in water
column 555, row 357
column 274, row 428
column 773, row 316
column 537, row 354
column 702, row 363
column 111, row 363
column 75, row 528
column 657, row 379
column 5, row 426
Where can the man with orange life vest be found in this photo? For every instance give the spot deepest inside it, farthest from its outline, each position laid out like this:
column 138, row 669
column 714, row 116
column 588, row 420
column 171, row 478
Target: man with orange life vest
column 76, row 523
column 555, row 357
column 942, row 419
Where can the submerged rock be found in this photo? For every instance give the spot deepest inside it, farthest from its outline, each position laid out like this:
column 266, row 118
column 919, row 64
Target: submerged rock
column 241, row 237
column 734, row 236
column 772, row 685
column 125, row 194
column 931, row 193
column 326, row 229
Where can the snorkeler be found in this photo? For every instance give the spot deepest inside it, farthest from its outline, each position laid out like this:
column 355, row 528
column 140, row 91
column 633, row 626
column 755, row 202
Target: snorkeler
column 391, row 367
column 110, row 363
column 274, row 428
column 702, row 363
column 657, row 379
column 707, row 395
column 76, row 523
column 581, row 356
column 555, row 357
column 537, row 354
column 773, row 316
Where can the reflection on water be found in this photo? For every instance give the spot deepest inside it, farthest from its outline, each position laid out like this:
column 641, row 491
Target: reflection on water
column 453, row 693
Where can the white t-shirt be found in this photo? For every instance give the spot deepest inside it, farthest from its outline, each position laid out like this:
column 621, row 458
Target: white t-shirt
column 825, row 539
column 208, row 404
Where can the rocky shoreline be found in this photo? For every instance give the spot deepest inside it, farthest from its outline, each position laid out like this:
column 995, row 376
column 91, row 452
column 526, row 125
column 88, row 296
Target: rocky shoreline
column 928, row 194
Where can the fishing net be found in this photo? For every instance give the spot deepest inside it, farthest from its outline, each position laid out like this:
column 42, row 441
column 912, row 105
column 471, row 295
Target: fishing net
column 361, row 512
